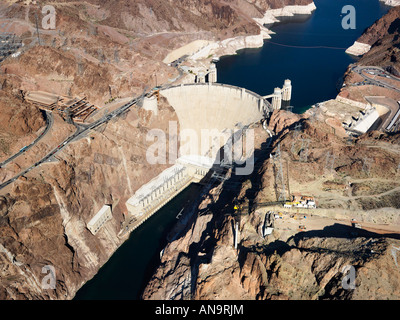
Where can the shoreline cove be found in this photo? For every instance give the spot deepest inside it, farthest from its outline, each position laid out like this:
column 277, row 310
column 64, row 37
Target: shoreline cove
column 204, row 49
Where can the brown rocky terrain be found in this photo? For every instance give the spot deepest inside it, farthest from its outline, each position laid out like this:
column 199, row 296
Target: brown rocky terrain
column 384, row 38
column 202, row 263
column 19, row 123
column 44, row 215
column 104, row 50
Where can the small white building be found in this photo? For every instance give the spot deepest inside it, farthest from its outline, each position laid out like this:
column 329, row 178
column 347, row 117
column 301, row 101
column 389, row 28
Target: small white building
column 100, row 219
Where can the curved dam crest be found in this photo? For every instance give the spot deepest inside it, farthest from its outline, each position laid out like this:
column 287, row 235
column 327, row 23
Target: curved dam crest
column 212, row 117
column 213, row 107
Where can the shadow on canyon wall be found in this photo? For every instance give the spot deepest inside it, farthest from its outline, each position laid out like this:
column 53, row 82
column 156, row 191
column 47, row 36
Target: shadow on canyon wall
column 339, row 230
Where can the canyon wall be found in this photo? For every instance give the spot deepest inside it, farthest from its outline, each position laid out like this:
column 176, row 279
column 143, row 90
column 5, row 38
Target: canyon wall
column 202, row 263
column 44, row 214
column 381, row 36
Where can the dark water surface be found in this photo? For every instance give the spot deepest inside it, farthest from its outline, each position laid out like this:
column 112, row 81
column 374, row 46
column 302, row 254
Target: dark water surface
column 132, row 265
column 314, row 73
column 299, row 52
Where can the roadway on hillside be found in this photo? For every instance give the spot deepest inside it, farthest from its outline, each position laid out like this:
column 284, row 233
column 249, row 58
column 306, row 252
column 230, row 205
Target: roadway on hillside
column 82, row 129
column 49, row 124
column 370, row 74
column 80, row 132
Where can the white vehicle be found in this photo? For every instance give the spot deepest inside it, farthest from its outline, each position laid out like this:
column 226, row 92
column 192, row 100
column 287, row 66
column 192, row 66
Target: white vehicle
column 311, row 204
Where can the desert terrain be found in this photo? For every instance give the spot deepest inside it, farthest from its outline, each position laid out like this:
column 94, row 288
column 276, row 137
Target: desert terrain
column 108, row 53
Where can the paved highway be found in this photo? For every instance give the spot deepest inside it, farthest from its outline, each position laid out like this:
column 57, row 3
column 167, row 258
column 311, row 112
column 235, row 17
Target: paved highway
column 370, row 73
column 79, row 133
column 49, row 124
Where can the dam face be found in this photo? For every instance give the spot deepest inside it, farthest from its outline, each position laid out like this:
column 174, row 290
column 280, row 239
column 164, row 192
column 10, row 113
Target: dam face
column 210, row 113
column 211, row 116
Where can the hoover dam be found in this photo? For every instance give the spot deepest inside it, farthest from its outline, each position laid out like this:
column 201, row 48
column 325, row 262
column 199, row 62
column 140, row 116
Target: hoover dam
column 130, row 172
column 213, row 107
column 210, row 116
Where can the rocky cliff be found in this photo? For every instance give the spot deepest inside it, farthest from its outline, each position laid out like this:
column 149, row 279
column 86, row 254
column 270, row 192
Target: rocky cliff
column 381, row 42
column 378, row 46
column 294, row 263
column 44, row 214
column 106, row 50
column 112, row 49
column 19, row 122
column 103, row 51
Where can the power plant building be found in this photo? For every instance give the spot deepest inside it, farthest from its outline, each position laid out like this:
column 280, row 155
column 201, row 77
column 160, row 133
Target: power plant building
column 100, row 219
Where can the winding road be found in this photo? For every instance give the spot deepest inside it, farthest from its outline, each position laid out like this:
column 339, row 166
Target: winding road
column 370, row 74
column 80, row 132
column 49, row 124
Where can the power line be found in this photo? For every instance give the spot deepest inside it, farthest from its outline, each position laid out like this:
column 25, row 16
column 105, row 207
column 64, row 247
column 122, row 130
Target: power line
column 306, row 47
column 37, row 28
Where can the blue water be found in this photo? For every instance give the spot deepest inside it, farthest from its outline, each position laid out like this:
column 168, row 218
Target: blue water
column 314, row 71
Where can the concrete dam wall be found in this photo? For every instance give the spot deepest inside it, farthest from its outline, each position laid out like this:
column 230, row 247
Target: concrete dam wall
column 208, row 115
column 209, row 112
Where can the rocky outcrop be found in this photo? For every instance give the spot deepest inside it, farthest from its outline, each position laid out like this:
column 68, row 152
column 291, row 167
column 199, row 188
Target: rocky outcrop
column 378, row 46
column 44, row 215
column 101, row 51
column 290, row 264
column 358, row 48
column 230, row 46
column 383, row 33
column 19, row 121
column 303, row 268
column 272, row 15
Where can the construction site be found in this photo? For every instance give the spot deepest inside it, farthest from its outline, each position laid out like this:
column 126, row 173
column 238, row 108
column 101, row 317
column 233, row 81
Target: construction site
column 76, row 110
column 278, row 222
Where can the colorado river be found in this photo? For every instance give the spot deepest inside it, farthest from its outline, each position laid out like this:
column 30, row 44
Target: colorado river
column 308, row 50
column 131, row 266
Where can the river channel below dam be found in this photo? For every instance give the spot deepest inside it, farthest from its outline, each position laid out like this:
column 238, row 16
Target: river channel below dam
column 308, row 50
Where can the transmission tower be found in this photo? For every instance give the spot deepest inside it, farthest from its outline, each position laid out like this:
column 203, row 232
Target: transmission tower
column 279, row 177
column 37, row 28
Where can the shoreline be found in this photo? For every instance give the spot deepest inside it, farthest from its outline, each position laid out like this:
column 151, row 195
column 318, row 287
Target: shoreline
column 358, row 48
column 205, row 50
